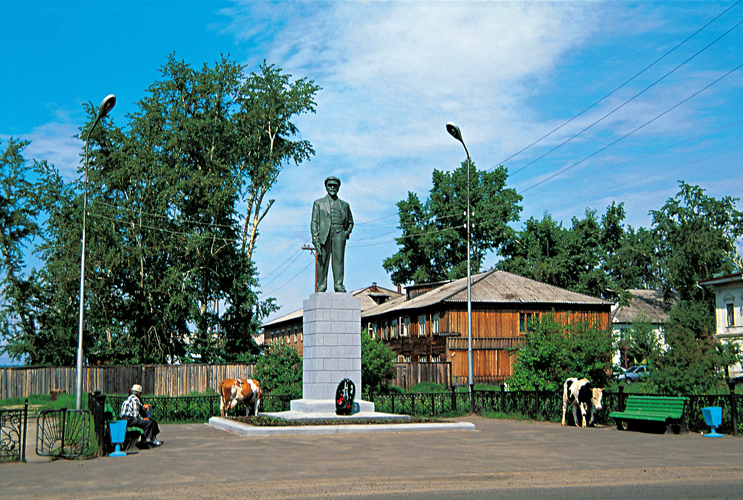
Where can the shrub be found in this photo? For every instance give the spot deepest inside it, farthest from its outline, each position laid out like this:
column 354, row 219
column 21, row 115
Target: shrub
column 279, row 371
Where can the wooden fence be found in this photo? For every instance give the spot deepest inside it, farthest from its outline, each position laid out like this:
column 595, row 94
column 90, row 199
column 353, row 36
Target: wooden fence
column 169, row 380
column 409, row 374
column 157, row 380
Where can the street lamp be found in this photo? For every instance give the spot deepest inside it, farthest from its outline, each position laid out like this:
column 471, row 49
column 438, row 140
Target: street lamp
column 106, row 105
column 457, row 134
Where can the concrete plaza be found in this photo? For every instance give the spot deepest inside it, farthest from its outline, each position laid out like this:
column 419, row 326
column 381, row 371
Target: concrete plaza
column 499, row 459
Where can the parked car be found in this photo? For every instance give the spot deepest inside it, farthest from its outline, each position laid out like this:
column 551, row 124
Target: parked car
column 634, row 374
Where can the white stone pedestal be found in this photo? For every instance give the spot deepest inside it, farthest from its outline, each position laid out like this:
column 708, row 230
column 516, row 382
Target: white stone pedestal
column 331, row 344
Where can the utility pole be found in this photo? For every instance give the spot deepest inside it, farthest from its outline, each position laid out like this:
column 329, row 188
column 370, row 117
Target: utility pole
column 314, row 252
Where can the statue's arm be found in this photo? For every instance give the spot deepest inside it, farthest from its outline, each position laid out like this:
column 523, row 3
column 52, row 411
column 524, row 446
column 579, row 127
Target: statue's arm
column 315, row 224
column 350, row 220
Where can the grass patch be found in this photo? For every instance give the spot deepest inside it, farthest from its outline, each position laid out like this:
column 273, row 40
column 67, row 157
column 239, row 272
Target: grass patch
column 277, row 422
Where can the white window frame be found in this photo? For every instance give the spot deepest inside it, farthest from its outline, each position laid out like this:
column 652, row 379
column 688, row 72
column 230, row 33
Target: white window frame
column 405, row 326
column 435, row 324
column 421, row 325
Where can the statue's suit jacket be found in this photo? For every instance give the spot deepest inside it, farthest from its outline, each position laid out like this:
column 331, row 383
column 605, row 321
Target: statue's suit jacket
column 320, row 226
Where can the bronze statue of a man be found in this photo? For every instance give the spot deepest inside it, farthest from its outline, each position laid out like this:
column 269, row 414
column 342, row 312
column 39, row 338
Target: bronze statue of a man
column 331, row 226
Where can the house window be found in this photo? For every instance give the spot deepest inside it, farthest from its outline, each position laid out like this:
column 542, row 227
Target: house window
column 372, row 330
column 406, row 358
column 393, row 332
column 400, row 358
column 405, row 324
column 422, row 358
column 435, row 324
column 435, row 358
column 422, row 325
column 731, row 314
column 385, row 329
column 527, row 322
column 295, row 335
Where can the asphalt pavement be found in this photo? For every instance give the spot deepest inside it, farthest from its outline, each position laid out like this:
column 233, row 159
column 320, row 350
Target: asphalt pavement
column 499, row 459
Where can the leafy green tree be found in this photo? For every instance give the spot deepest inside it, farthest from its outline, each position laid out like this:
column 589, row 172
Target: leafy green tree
column 169, row 275
column 554, row 351
column 696, row 237
column 434, row 240
column 279, row 371
column 38, row 321
column 693, row 361
column 639, row 343
column 377, row 363
column 18, row 211
column 602, row 257
column 268, row 101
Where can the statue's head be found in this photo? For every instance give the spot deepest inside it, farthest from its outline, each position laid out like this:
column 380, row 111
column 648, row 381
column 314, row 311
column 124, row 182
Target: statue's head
column 333, row 180
column 332, row 184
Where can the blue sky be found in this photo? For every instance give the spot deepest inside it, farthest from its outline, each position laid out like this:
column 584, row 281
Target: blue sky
column 392, row 74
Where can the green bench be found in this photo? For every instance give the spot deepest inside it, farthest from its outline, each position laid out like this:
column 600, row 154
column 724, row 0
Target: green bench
column 668, row 410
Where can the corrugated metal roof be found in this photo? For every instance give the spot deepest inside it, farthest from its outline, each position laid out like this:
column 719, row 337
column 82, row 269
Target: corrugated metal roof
column 647, row 304
column 493, row 287
column 364, row 295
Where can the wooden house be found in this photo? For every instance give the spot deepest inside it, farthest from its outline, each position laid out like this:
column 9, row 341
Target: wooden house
column 288, row 328
column 429, row 323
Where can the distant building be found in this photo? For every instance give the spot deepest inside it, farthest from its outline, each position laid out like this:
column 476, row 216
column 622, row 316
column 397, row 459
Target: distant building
column 729, row 311
column 288, row 328
column 645, row 305
column 429, row 323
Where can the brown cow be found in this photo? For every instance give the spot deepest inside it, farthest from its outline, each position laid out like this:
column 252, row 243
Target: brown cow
column 233, row 392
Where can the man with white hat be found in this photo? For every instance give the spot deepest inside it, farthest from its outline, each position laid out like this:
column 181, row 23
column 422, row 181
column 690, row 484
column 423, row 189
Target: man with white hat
column 136, row 415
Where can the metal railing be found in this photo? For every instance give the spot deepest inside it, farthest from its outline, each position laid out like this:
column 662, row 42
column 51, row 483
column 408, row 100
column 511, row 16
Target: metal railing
column 13, row 430
column 63, row 433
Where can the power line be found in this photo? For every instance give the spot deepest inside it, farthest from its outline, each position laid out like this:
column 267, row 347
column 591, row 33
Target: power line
column 610, row 167
column 612, row 92
column 633, row 131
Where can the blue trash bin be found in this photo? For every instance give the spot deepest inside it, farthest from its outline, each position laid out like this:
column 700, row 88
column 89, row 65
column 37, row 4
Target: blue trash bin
column 713, row 418
column 118, row 435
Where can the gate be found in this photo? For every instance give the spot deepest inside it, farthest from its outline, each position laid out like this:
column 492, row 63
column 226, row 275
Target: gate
column 13, row 429
column 63, row 433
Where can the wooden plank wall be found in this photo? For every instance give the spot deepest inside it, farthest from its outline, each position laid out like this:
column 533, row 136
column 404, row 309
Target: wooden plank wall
column 157, row 380
column 409, row 374
column 491, row 331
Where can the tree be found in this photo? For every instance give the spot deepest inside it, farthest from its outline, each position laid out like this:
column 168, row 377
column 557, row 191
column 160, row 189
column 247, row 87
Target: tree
column 602, row 258
column 434, row 240
column 696, row 237
column 279, row 371
column 554, row 351
column 268, row 102
column 640, row 342
column 694, row 361
column 18, row 211
column 169, row 276
column 377, row 363
column 38, row 321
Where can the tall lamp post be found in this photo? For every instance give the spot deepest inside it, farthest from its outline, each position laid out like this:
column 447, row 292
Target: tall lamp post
column 106, row 105
column 457, row 134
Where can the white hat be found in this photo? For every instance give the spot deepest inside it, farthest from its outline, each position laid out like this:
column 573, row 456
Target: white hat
column 137, row 388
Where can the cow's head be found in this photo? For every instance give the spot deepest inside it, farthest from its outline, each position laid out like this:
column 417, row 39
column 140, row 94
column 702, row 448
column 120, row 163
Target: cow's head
column 596, row 395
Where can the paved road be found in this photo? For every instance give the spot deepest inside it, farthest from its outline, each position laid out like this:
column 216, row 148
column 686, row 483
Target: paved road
column 501, row 459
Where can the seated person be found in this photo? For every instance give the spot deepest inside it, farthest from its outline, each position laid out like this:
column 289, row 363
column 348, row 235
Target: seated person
column 135, row 414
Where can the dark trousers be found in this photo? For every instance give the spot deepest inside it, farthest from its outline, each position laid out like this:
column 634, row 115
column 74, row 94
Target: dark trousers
column 149, row 427
column 334, row 250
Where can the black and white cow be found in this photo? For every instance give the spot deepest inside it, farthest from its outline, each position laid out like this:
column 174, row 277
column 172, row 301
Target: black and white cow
column 580, row 393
